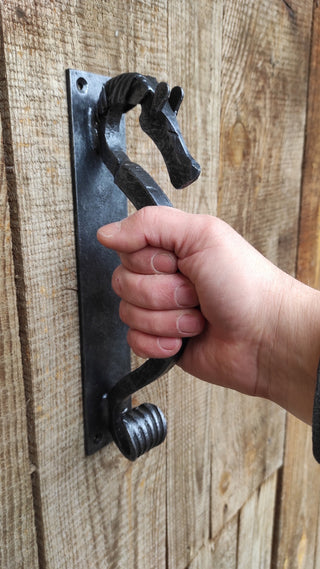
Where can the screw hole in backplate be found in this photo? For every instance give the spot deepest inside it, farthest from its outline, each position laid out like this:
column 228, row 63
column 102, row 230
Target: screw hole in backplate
column 82, row 85
column 97, row 438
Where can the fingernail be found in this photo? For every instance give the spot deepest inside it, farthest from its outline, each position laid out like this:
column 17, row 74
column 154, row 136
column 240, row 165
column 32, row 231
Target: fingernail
column 168, row 344
column 110, row 230
column 184, row 296
column 164, row 263
column 187, row 324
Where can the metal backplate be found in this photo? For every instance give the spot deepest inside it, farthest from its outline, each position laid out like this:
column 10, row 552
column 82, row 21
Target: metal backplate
column 105, row 354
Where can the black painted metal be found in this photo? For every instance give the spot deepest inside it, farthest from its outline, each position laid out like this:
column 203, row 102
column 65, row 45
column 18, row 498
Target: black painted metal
column 105, row 355
column 135, row 431
column 97, row 130
column 159, row 120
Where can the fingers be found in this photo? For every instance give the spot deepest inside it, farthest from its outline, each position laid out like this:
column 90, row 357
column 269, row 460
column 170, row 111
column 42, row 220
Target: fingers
column 158, row 303
column 150, row 260
column 163, row 227
column 154, row 292
column 147, row 346
column 166, row 323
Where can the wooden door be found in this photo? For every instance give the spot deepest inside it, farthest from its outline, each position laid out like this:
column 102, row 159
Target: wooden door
column 207, row 498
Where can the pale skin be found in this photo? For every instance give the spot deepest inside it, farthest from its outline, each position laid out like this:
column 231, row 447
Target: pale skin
column 252, row 327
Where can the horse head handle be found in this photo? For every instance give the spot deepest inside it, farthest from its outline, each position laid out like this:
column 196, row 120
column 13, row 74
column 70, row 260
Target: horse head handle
column 158, row 119
column 159, row 108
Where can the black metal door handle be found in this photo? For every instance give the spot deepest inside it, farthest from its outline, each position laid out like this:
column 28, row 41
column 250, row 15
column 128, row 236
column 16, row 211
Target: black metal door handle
column 137, row 430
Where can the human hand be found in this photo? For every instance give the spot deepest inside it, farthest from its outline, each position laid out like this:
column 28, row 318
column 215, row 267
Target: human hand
column 243, row 314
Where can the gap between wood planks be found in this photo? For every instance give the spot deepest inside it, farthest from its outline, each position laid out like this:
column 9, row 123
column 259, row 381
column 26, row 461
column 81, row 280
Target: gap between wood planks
column 20, row 295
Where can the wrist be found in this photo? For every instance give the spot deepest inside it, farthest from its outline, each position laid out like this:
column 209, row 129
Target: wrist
column 291, row 351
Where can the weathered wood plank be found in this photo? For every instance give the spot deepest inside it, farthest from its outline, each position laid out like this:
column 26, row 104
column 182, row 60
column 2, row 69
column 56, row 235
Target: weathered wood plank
column 220, row 553
column 263, row 107
column 245, row 452
column 296, row 534
column 18, row 547
column 256, row 527
column 101, row 510
column 194, row 62
column 297, row 527
column 245, row 542
column 263, row 103
column 308, row 265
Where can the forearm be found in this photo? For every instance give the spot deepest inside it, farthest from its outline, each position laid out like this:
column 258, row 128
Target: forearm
column 290, row 357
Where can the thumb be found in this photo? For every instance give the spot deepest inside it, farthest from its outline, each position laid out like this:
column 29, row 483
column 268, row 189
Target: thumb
column 160, row 226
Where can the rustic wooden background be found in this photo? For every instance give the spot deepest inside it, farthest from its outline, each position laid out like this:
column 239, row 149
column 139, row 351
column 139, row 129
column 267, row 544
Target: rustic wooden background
column 235, row 485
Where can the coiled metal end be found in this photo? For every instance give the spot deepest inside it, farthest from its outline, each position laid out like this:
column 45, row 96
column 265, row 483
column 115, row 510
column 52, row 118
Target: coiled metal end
column 140, row 429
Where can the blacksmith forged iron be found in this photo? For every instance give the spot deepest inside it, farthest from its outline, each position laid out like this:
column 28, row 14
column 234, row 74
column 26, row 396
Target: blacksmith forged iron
column 103, row 177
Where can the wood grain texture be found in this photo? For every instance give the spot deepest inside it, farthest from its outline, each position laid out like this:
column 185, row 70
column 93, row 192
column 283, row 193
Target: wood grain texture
column 247, row 449
column 220, row 553
column 195, row 63
column 120, row 505
column 298, row 516
column 308, row 265
column 18, row 548
column 265, row 52
column 256, row 527
column 245, row 542
column 98, row 511
column 296, row 535
column 263, row 113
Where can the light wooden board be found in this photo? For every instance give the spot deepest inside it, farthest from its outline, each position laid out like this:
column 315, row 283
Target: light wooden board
column 263, row 107
column 99, row 511
column 298, row 516
column 263, row 112
column 105, row 492
column 256, row 527
column 308, row 264
column 18, row 548
column 220, row 553
column 247, row 448
column 245, row 542
column 195, row 63
column 296, row 534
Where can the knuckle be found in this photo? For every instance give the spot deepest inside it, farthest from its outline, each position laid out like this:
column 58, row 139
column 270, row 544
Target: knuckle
column 136, row 343
column 116, row 281
column 123, row 311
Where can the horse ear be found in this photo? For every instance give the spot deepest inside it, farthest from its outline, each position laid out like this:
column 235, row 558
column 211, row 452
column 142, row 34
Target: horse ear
column 176, row 98
column 160, row 97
